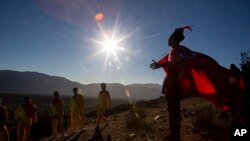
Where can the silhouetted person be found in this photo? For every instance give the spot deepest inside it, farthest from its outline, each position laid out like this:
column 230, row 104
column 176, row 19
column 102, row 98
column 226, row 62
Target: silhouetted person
column 103, row 103
column 4, row 134
column 171, row 85
column 77, row 109
column 97, row 136
column 56, row 112
column 26, row 116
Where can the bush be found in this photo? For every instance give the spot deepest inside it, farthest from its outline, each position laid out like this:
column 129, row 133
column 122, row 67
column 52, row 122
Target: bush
column 204, row 118
column 135, row 120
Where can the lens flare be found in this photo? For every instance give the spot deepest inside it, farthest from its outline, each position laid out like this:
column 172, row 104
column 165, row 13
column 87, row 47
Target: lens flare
column 99, row 17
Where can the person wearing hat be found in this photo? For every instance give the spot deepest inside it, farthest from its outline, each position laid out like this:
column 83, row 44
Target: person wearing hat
column 77, row 109
column 26, row 115
column 103, row 103
column 171, row 64
column 4, row 134
column 56, row 112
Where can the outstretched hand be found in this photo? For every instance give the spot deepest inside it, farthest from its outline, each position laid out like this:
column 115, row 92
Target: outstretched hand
column 154, row 65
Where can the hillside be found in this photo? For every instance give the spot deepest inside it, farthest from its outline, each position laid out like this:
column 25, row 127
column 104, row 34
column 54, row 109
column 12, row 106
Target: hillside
column 200, row 122
column 38, row 83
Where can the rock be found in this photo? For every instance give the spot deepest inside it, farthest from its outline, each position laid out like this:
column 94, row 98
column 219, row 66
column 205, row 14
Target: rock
column 132, row 135
column 158, row 117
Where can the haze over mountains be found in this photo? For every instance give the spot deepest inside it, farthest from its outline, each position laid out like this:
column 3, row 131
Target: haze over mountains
column 38, row 83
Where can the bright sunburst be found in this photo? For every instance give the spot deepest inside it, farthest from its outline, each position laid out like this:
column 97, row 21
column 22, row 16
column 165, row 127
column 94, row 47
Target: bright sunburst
column 110, row 45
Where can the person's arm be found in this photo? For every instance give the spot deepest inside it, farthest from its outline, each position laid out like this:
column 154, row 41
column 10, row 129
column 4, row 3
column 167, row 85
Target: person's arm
column 71, row 105
column 82, row 103
column 108, row 100
column 162, row 63
column 50, row 110
column 34, row 118
column 62, row 108
column 17, row 113
column 4, row 114
column 98, row 101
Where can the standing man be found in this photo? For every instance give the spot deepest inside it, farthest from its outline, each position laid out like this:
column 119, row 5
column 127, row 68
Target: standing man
column 4, row 134
column 26, row 115
column 56, row 112
column 173, row 67
column 103, row 103
column 77, row 109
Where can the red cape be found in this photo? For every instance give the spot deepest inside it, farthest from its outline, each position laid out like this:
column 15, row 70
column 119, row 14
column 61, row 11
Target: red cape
column 202, row 75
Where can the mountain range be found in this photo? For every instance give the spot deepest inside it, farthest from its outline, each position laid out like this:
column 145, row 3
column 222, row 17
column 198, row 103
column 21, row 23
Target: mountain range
column 38, row 83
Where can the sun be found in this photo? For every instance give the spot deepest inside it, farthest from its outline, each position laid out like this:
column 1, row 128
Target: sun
column 110, row 45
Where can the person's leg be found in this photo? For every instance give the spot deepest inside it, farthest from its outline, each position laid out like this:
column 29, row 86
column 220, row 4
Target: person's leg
column 100, row 116
column 173, row 100
column 104, row 117
column 60, row 124
column 26, row 132
column 82, row 118
column 20, row 130
column 4, row 134
column 73, row 122
column 54, row 127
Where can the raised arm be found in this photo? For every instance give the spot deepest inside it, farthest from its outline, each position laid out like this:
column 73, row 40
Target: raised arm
column 162, row 63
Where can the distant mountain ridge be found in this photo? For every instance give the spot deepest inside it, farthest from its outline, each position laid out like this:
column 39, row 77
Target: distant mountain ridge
column 38, row 83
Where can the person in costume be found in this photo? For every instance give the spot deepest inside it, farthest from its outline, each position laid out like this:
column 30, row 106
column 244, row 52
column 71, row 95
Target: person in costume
column 56, row 112
column 103, row 103
column 192, row 72
column 77, row 109
column 26, row 115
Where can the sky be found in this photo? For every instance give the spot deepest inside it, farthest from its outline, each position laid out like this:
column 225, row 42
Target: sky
column 62, row 37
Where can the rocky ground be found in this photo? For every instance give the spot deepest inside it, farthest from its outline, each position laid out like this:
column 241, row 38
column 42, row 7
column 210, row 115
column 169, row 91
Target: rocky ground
column 200, row 121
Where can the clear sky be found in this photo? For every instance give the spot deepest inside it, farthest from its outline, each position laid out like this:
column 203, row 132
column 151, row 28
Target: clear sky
column 58, row 37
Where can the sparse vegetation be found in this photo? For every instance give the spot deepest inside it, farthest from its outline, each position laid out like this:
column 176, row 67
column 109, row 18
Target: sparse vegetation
column 245, row 68
column 204, row 118
column 135, row 120
column 209, row 124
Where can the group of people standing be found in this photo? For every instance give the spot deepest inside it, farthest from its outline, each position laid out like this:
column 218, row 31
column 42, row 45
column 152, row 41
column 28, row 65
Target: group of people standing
column 26, row 114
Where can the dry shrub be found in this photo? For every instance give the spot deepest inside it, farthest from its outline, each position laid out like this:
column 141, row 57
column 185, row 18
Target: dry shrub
column 210, row 125
column 135, row 120
column 204, row 118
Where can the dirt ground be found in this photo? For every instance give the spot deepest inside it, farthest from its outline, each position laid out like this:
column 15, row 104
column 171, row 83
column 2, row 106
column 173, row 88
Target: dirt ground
column 157, row 118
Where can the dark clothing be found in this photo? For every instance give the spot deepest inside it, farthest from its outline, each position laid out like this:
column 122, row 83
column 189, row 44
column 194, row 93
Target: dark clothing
column 4, row 134
column 3, row 115
column 97, row 135
column 172, row 91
